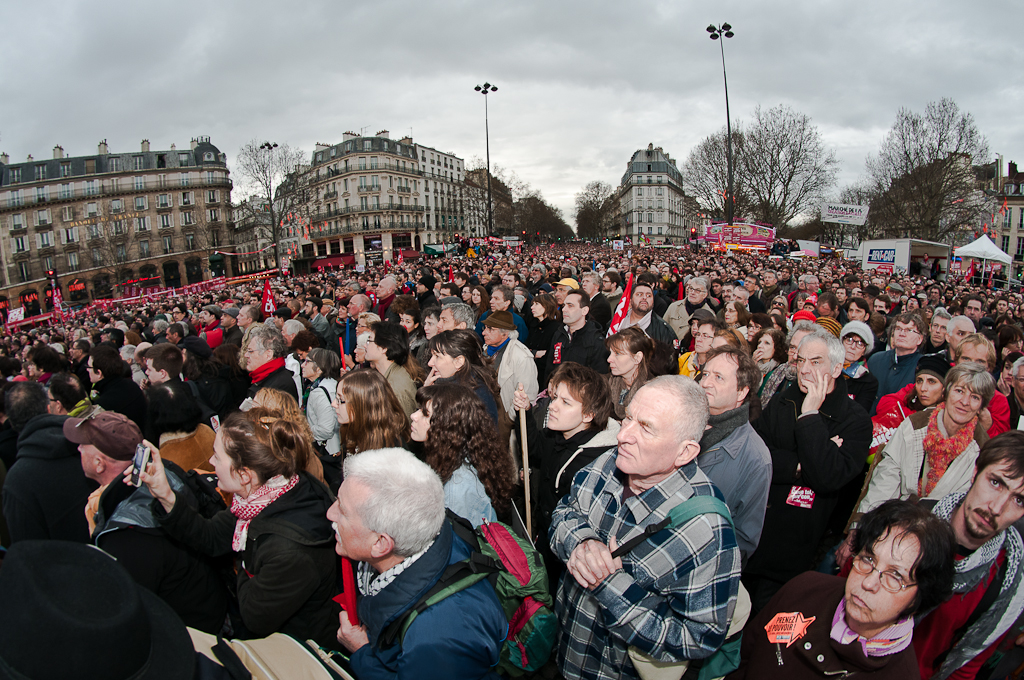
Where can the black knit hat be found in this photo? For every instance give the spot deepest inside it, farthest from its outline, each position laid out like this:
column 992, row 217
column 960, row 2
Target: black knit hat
column 934, row 364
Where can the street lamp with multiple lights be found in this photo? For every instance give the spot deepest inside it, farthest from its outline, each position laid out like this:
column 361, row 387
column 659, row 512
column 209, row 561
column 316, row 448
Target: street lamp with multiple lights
column 484, row 90
column 725, row 31
column 269, row 148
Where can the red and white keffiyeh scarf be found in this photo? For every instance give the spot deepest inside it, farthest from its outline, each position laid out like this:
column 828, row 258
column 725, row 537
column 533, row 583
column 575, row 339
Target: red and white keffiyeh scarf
column 246, row 509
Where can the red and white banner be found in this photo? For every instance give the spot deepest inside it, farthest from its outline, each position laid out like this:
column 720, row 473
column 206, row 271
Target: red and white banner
column 622, row 309
column 268, row 306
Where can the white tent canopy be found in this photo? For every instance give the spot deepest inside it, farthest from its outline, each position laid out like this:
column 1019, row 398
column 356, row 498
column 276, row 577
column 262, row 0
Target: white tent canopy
column 983, row 249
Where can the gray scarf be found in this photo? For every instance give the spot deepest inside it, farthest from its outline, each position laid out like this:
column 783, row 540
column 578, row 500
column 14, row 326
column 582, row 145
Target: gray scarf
column 723, row 425
column 969, row 573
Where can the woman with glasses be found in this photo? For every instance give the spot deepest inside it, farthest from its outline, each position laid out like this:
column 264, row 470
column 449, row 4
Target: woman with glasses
column 858, row 341
column 823, row 626
column 692, row 363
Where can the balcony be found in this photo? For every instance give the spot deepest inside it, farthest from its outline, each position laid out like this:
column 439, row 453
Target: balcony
column 330, row 194
column 404, row 190
column 109, row 190
column 19, row 229
column 163, row 207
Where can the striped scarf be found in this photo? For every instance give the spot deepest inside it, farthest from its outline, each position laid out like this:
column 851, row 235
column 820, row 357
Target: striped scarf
column 246, row 509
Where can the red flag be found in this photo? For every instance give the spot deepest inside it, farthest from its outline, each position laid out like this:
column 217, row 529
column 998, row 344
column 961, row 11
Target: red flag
column 450, row 277
column 682, row 291
column 387, row 266
column 347, row 597
column 622, row 309
column 269, row 306
column 400, row 259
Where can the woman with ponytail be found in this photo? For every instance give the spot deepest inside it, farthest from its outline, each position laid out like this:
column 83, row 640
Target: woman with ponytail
column 277, row 527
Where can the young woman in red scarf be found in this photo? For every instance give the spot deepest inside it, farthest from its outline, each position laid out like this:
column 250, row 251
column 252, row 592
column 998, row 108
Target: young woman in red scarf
column 277, row 527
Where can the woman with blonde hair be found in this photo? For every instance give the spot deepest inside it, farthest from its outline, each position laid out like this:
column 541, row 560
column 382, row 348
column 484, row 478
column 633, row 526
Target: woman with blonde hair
column 369, row 413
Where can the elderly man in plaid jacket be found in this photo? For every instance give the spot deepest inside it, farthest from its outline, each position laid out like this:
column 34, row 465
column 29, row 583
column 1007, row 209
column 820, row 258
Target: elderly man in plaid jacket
column 672, row 596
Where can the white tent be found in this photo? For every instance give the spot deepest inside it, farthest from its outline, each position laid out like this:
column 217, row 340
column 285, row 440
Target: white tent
column 983, row 249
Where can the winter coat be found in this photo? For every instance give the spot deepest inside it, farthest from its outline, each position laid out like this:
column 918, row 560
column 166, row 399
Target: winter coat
column 660, row 331
column 287, row 575
column 403, row 386
column 459, row 637
column 185, row 580
column 541, row 333
column 585, row 346
column 322, row 418
column 815, row 654
column 600, row 311
column 216, row 391
column 678, row 317
column 893, row 372
column 282, row 379
column 863, row 389
column 791, row 533
column 233, row 335
column 123, row 396
column 189, row 450
column 46, row 490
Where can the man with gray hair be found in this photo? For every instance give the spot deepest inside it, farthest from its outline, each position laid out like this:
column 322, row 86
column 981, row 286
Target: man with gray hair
column 248, row 321
column 265, row 362
column 936, row 341
column 1017, row 395
column 390, row 518
column 387, row 289
column 678, row 314
column 673, row 599
column 818, row 438
column 454, row 316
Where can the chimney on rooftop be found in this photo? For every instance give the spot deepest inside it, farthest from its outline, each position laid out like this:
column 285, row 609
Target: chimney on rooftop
column 30, row 157
column 1012, row 169
column 383, row 133
column 102, row 147
column 145, row 145
column 4, row 158
column 58, row 151
column 195, row 143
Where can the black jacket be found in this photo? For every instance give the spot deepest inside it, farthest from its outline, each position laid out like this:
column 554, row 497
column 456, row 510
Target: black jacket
column 863, row 390
column 282, row 379
column 46, row 491
column 233, row 336
column 660, row 331
column 539, row 340
column 791, row 534
column 185, row 580
column 287, row 575
column 427, row 299
column 585, row 346
column 600, row 311
column 81, row 369
column 123, row 396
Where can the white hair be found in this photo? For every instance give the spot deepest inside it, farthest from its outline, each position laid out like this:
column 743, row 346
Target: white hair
column 833, row 345
column 690, row 401
column 128, row 353
column 406, row 499
column 951, row 324
column 292, row 327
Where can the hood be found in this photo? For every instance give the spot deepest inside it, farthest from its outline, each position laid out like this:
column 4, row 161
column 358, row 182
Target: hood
column 299, row 515
column 43, row 438
column 606, row 438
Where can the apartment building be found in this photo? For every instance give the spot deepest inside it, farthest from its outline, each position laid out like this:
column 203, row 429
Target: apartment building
column 109, row 221
column 652, row 200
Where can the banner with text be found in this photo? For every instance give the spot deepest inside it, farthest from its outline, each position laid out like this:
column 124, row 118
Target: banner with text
column 844, row 213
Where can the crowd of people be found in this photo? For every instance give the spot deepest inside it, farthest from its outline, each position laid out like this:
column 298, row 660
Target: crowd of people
column 731, row 464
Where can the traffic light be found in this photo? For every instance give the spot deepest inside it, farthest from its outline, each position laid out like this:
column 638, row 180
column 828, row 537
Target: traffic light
column 693, row 233
column 50, row 273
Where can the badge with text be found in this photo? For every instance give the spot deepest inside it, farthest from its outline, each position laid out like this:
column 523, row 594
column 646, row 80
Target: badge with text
column 556, row 356
column 787, row 627
column 801, row 497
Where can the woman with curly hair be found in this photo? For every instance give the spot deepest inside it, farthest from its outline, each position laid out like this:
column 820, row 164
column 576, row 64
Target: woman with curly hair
column 770, row 353
column 456, row 356
column 369, row 413
column 459, row 444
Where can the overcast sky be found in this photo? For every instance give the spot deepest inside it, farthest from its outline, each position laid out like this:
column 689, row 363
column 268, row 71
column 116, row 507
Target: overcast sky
column 582, row 85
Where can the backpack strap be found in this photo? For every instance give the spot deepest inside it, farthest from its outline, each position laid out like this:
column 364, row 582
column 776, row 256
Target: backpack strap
column 677, row 517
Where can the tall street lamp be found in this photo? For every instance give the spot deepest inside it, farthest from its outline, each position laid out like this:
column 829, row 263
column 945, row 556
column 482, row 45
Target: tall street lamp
column 269, row 148
column 725, row 31
column 484, row 90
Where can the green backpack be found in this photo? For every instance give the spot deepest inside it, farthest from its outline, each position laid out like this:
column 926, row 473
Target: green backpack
column 516, row 570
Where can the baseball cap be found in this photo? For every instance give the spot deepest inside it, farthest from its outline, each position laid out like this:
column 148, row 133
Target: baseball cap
column 571, row 283
column 110, row 432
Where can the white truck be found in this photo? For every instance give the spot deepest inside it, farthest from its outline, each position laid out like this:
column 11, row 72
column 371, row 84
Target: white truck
column 905, row 255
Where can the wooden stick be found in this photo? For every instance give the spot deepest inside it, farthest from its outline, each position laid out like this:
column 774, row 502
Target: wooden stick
column 526, row 471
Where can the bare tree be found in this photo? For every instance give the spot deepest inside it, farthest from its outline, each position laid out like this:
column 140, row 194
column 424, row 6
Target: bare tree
column 922, row 178
column 113, row 239
column 262, row 168
column 595, row 208
column 786, row 168
column 706, row 174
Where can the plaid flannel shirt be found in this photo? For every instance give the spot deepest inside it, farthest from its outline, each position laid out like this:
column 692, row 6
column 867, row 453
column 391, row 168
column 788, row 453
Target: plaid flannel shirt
column 673, row 598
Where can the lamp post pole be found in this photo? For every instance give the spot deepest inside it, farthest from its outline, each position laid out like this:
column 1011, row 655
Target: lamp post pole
column 725, row 31
column 484, row 90
column 269, row 148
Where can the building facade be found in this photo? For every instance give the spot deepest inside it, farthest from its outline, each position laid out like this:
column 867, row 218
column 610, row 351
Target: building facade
column 1008, row 221
column 109, row 221
column 371, row 198
column 476, row 206
column 652, row 200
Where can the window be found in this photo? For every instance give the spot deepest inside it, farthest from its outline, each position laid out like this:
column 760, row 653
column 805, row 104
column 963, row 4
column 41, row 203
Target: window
column 144, row 248
column 14, row 198
column 187, row 219
column 215, row 239
column 373, row 162
column 362, row 163
column 183, row 180
column 94, row 231
column 71, row 235
column 212, row 215
column 190, row 241
column 650, row 217
column 18, row 244
column 186, row 198
column 140, row 202
column 376, row 202
column 41, row 196
column 65, row 191
column 163, row 201
column 211, row 196
column 659, row 231
column 119, row 227
column 165, row 221
column 139, row 162
column 72, row 261
column 1006, row 244
column 168, row 245
column 182, row 159
column 116, row 205
column 91, row 210
column 65, row 169
column 367, row 144
column 15, row 175
column 639, row 191
column 92, row 187
column 42, row 217
column 1020, row 246
column 48, row 263
column 1007, row 219
column 113, row 164
column 17, row 221
column 97, row 257
column 650, row 230
column 362, row 203
column 140, row 184
column 141, row 224
column 122, row 253
column 46, row 239
column 659, row 190
column 24, row 275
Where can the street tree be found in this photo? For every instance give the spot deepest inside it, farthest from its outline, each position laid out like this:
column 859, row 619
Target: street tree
column 706, row 174
column 922, row 178
column 262, row 168
column 596, row 209
column 787, row 170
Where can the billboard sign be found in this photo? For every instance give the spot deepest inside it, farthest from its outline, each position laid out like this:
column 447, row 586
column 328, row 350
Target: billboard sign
column 880, row 256
column 844, row 213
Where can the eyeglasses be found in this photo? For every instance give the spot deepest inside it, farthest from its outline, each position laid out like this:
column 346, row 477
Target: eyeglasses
column 855, row 341
column 706, row 336
column 908, row 331
column 890, row 580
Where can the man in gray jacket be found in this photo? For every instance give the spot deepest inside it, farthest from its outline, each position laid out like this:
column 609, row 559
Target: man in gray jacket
column 732, row 454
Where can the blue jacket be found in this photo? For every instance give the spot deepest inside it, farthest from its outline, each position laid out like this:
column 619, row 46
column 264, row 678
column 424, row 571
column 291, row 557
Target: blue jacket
column 893, row 373
column 458, row 638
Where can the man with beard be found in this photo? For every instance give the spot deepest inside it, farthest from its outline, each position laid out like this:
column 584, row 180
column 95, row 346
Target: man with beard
column 956, row 638
column 678, row 314
column 769, row 288
column 641, row 314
